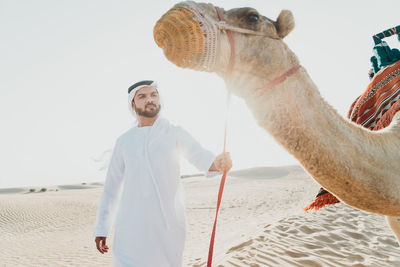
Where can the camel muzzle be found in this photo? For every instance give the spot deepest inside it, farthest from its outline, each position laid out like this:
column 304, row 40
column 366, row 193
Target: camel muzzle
column 188, row 37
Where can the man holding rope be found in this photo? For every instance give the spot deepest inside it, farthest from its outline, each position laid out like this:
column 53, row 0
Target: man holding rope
column 144, row 173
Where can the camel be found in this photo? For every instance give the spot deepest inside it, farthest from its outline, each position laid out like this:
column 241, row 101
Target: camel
column 360, row 167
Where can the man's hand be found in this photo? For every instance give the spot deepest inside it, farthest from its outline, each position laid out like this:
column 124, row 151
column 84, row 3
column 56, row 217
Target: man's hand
column 222, row 163
column 101, row 244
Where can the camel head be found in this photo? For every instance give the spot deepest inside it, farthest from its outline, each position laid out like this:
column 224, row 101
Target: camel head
column 193, row 36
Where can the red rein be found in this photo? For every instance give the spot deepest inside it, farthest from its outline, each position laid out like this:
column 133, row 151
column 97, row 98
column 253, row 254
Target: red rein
column 222, row 183
column 256, row 93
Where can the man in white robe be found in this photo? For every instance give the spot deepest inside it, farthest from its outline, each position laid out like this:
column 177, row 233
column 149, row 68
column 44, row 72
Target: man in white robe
column 143, row 186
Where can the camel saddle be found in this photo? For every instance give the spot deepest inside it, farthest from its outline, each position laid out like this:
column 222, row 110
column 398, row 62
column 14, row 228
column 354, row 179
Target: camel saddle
column 374, row 110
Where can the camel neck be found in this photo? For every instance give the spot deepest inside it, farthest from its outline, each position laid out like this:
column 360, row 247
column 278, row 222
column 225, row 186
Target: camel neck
column 331, row 148
column 306, row 125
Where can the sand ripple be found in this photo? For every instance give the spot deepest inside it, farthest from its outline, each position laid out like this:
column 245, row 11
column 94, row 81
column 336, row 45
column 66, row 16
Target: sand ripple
column 49, row 229
column 337, row 236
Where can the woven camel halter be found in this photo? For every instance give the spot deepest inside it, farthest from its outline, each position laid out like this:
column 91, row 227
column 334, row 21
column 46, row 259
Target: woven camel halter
column 223, row 26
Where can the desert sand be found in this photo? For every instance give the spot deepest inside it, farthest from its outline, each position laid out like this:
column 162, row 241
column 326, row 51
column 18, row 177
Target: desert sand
column 261, row 223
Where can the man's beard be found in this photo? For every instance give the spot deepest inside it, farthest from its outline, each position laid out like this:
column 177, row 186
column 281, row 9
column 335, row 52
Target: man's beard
column 146, row 113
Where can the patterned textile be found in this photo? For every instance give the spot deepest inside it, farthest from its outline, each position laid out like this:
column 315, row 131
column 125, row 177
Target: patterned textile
column 381, row 94
column 386, row 119
column 374, row 110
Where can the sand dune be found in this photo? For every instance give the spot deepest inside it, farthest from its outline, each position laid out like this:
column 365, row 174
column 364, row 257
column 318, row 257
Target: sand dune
column 261, row 223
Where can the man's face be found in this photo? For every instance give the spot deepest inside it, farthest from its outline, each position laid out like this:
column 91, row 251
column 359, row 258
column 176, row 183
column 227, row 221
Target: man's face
column 146, row 102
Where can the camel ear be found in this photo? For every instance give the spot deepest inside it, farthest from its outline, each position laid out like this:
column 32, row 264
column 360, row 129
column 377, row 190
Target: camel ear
column 285, row 23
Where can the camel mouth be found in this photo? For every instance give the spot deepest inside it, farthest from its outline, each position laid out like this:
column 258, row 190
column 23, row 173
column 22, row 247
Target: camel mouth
column 188, row 37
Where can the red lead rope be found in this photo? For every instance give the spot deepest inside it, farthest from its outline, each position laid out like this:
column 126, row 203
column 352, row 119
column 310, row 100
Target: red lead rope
column 256, row 93
column 222, row 183
column 210, row 251
column 220, row 192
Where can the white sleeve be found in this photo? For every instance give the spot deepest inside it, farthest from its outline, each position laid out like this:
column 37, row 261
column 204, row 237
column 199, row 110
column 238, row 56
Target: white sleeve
column 201, row 158
column 109, row 198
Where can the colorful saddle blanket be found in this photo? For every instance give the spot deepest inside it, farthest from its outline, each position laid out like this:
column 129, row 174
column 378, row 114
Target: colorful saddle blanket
column 374, row 110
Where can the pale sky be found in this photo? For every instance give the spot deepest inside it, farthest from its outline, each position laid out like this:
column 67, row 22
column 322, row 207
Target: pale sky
column 66, row 65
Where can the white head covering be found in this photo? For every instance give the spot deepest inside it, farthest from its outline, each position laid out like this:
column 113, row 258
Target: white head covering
column 136, row 87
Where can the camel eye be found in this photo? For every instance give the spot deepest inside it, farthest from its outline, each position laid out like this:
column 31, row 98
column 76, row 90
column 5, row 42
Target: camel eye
column 252, row 18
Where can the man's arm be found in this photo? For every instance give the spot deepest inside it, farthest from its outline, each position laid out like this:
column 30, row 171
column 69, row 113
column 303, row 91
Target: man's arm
column 201, row 158
column 108, row 202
